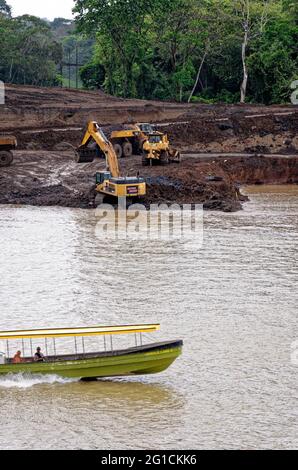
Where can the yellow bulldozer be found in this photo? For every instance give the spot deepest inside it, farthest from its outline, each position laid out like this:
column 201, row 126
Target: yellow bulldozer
column 108, row 182
column 157, row 150
column 7, row 144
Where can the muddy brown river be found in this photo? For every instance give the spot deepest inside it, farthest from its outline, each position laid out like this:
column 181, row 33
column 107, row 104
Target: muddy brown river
column 233, row 301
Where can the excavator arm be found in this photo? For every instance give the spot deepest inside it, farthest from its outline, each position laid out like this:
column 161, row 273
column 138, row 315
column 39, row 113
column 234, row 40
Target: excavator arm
column 87, row 152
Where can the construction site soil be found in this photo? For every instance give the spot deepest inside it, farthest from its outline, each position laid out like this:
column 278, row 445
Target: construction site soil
column 235, row 145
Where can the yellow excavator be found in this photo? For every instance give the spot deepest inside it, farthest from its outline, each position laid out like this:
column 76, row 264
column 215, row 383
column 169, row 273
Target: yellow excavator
column 7, row 144
column 108, row 182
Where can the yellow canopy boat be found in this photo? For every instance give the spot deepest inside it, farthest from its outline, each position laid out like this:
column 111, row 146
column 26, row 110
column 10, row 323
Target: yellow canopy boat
column 137, row 360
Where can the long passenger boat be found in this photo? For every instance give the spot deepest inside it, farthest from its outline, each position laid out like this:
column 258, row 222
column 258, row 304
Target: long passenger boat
column 140, row 359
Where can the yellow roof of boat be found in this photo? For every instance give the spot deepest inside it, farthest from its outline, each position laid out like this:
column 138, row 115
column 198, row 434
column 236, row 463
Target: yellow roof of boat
column 87, row 331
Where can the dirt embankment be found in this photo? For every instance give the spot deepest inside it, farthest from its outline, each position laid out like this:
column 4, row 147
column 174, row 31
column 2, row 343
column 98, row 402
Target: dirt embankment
column 274, row 133
column 53, row 178
column 49, row 123
column 42, row 118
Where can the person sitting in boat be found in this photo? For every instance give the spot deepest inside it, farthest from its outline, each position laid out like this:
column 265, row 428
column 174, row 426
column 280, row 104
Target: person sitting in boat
column 38, row 356
column 17, row 359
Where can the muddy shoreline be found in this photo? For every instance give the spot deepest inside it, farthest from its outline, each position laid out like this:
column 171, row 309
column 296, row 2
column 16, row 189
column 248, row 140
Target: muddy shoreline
column 44, row 178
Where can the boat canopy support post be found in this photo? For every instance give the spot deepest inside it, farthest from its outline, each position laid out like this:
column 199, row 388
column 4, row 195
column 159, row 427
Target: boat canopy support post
column 54, row 344
column 31, row 348
column 7, row 348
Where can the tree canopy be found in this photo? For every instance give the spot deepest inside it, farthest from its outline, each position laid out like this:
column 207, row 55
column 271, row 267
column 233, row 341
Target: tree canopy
column 179, row 50
column 29, row 53
column 196, row 50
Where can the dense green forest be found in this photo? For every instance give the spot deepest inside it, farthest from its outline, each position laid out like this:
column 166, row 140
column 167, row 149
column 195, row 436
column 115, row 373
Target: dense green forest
column 35, row 51
column 184, row 50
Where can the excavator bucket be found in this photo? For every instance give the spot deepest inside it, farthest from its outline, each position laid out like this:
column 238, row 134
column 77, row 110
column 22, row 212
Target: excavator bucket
column 85, row 155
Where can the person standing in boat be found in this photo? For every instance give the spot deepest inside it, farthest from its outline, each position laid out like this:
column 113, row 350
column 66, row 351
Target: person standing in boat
column 38, row 356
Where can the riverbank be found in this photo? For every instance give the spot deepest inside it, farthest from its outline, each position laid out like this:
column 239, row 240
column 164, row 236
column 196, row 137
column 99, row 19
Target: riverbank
column 44, row 178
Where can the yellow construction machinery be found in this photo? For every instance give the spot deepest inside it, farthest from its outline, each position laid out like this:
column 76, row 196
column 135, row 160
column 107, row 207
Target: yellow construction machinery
column 143, row 139
column 108, row 182
column 7, row 144
column 128, row 141
column 157, row 150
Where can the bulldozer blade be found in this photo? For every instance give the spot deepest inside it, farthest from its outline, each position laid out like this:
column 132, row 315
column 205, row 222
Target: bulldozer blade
column 174, row 156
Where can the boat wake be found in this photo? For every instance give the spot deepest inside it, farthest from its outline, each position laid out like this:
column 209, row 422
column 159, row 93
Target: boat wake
column 30, row 380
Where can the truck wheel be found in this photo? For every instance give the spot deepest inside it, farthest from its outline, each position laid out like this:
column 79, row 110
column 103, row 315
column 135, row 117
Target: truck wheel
column 118, row 150
column 127, row 149
column 6, row 158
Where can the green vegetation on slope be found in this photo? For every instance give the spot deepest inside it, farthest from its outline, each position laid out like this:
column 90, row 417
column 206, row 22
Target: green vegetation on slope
column 196, row 50
column 37, row 52
column 183, row 50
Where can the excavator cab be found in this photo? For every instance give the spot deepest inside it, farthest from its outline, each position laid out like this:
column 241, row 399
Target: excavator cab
column 102, row 176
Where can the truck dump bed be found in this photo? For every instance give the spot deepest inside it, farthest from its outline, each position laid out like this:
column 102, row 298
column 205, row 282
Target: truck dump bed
column 7, row 142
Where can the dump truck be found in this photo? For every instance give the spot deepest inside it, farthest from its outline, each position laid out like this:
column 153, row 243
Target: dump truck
column 108, row 182
column 7, row 144
column 130, row 140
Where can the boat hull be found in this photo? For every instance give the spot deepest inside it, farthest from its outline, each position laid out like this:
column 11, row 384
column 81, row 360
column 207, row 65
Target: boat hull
column 143, row 360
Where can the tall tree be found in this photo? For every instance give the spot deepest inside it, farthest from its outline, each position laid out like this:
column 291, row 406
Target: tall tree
column 252, row 16
column 29, row 54
column 121, row 24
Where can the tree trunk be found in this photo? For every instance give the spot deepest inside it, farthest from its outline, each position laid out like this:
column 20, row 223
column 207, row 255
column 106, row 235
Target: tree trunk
column 245, row 70
column 198, row 76
column 10, row 71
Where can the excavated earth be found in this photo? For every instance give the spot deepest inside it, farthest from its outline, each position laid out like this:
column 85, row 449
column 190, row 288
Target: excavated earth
column 237, row 144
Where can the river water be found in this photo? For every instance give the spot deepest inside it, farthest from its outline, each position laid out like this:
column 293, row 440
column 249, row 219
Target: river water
column 233, row 301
